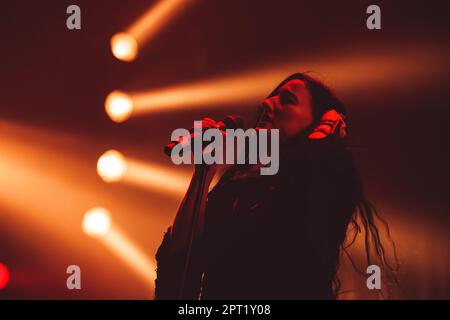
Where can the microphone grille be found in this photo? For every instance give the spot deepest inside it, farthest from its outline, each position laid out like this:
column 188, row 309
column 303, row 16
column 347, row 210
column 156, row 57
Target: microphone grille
column 234, row 121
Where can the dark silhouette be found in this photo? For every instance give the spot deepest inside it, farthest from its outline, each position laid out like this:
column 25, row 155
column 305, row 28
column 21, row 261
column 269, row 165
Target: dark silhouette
column 276, row 237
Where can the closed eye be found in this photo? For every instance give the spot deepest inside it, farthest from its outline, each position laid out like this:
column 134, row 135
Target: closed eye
column 287, row 97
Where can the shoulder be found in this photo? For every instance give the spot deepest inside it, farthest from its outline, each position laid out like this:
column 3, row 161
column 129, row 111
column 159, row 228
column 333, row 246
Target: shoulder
column 325, row 155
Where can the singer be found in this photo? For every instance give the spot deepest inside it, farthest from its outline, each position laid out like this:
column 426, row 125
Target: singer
column 276, row 236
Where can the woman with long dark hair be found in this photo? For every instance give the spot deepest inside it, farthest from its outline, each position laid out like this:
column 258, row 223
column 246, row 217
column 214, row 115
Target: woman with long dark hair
column 280, row 236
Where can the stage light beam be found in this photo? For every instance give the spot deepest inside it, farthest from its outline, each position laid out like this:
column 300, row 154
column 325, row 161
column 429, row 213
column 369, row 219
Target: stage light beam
column 97, row 223
column 111, row 166
column 59, row 182
column 156, row 177
column 125, row 45
column 118, row 106
column 136, row 259
column 346, row 73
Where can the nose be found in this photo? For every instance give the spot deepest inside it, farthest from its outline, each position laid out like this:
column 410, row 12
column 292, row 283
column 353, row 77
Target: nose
column 271, row 105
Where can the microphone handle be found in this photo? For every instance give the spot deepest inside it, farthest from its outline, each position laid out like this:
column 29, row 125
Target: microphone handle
column 230, row 121
column 168, row 148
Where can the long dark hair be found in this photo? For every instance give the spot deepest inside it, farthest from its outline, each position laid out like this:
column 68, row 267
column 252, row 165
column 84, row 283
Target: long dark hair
column 365, row 219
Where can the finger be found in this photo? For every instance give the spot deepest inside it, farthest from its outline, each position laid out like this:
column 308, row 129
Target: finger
column 204, row 124
column 208, row 122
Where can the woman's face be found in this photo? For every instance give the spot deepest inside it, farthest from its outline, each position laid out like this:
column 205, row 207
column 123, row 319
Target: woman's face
column 290, row 110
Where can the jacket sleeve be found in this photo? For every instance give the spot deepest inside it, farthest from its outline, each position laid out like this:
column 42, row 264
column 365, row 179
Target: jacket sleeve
column 170, row 268
column 165, row 283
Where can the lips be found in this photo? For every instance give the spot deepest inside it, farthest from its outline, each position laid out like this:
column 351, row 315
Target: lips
column 266, row 113
column 265, row 121
column 266, row 117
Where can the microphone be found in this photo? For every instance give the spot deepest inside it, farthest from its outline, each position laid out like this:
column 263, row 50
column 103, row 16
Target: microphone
column 231, row 121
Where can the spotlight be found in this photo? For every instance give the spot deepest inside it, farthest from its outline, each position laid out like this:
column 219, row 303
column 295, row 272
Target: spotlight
column 156, row 177
column 4, row 276
column 118, row 106
column 96, row 222
column 124, row 46
column 111, row 166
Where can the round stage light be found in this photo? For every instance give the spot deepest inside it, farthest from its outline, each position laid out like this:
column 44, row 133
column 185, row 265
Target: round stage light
column 4, row 276
column 124, row 47
column 111, row 166
column 118, row 106
column 96, row 222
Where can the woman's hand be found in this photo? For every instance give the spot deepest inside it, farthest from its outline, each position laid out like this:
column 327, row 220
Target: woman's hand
column 203, row 125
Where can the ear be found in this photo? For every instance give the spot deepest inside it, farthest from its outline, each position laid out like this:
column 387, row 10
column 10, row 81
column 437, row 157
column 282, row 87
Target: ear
column 331, row 124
